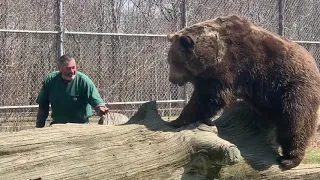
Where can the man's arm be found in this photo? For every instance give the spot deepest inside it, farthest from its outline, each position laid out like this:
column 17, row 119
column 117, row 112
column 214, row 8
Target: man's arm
column 42, row 115
column 95, row 99
column 43, row 101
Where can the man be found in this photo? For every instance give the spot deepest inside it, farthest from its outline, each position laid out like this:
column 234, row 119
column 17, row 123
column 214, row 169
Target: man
column 70, row 93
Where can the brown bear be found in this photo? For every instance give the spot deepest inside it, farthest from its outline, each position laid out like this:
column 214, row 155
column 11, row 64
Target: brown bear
column 230, row 58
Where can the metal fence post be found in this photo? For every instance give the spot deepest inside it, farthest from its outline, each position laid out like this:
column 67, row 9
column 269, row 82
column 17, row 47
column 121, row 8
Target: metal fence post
column 60, row 28
column 281, row 14
column 184, row 22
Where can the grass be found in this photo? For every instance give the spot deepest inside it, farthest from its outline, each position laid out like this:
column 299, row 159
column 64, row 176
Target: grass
column 312, row 156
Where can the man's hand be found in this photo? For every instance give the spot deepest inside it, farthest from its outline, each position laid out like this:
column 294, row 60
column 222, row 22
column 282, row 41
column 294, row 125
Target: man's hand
column 102, row 110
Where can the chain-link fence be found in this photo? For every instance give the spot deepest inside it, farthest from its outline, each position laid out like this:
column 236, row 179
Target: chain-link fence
column 120, row 45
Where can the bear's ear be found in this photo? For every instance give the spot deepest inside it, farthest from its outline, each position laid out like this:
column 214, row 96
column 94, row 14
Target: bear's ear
column 186, row 42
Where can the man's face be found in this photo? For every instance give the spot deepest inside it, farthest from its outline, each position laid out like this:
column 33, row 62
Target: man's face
column 68, row 70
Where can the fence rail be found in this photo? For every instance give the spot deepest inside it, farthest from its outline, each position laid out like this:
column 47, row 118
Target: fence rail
column 121, row 45
column 111, row 103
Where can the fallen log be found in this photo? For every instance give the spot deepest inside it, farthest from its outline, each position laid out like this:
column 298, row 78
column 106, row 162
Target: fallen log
column 144, row 147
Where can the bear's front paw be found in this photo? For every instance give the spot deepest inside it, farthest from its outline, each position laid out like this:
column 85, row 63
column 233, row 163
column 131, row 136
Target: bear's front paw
column 288, row 163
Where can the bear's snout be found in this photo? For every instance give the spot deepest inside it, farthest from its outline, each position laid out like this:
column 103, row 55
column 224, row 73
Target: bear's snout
column 177, row 76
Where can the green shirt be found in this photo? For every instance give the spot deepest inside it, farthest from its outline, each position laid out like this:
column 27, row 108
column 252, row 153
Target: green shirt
column 70, row 100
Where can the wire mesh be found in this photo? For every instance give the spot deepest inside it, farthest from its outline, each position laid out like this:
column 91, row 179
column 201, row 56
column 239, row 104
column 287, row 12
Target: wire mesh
column 301, row 20
column 264, row 13
column 38, row 15
column 127, row 66
column 25, row 60
column 126, row 16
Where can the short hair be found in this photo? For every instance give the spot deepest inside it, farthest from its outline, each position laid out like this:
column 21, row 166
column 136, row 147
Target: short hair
column 65, row 59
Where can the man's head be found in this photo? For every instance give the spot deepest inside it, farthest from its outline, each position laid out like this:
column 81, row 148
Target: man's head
column 67, row 67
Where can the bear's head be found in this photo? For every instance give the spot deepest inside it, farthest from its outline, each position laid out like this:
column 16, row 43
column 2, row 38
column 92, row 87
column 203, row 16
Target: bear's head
column 200, row 50
column 193, row 51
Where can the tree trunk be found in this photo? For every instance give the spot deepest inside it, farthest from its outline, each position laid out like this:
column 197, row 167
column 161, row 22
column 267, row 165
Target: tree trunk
column 145, row 147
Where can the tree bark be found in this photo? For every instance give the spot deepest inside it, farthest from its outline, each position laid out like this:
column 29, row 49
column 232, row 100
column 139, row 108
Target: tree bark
column 144, row 147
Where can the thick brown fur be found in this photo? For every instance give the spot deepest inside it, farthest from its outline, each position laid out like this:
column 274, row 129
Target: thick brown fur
column 228, row 58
